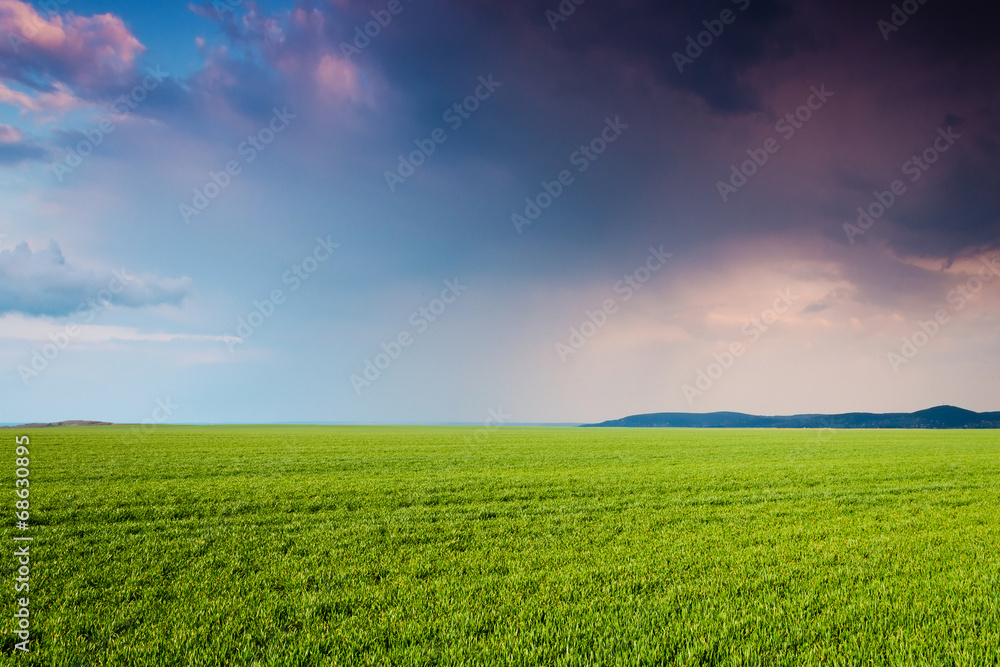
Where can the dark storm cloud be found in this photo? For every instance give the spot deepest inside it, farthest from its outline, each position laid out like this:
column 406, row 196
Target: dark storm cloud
column 951, row 205
column 643, row 34
column 938, row 30
column 689, row 47
column 609, row 58
column 960, row 214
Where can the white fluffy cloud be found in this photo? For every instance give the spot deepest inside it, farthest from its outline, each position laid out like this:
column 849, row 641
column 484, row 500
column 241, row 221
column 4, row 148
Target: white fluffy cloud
column 42, row 283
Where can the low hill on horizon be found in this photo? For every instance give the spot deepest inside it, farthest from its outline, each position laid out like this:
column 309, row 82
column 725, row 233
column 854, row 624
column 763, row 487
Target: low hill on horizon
column 941, row 417
column 72, row 422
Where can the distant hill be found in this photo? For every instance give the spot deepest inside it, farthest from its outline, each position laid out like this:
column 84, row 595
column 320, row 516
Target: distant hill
column 944, row 416
column 74, row 422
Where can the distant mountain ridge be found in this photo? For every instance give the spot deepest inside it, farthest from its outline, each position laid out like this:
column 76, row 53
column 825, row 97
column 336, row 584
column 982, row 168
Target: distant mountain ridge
column 941, row 417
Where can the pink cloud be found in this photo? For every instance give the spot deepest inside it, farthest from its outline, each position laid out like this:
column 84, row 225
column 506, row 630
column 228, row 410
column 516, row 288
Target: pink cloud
column 10, row 135
column 337, row 77
column 86, row 55
column 15, row 148
column 295, row 45
column 59, row 99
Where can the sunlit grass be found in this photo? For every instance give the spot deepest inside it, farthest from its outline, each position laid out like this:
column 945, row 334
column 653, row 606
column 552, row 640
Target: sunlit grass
column 353, row 546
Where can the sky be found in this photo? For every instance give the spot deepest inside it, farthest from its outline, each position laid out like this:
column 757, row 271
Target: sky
column 418, row 211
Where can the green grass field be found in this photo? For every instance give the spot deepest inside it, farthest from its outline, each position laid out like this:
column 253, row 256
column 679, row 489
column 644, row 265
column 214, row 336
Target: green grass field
column 424, row 546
